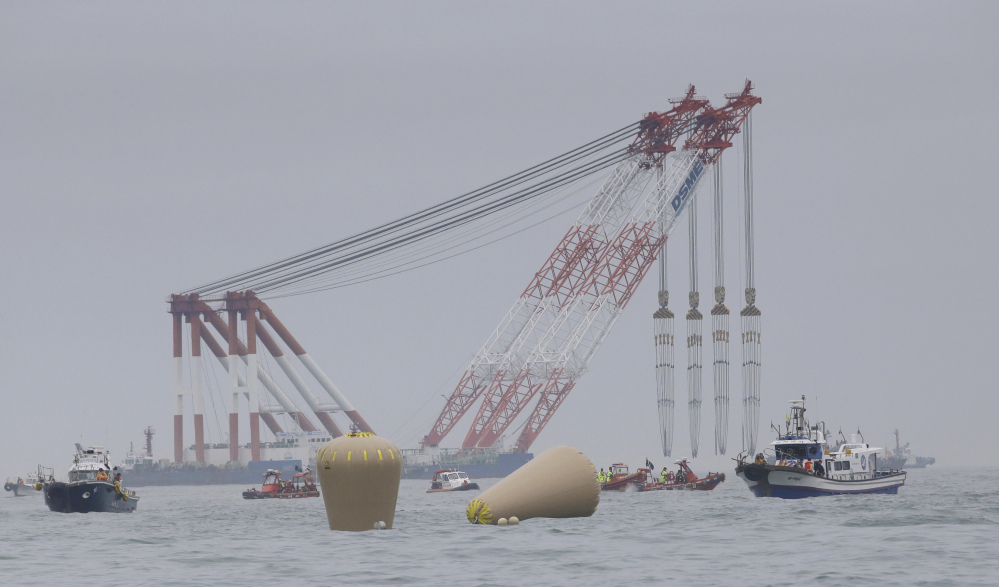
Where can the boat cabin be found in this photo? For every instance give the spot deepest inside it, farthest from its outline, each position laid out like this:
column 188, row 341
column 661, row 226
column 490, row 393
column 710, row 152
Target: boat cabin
column 448, row 479
column 91, row 464
column 799, row 442
column 853, row 460
column 619, row 469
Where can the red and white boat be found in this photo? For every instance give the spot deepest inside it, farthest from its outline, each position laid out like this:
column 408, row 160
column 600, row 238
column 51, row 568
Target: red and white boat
column 684, row 478
column 450, row 480
column 621, row 479
column 303, row 484
column 646, row 480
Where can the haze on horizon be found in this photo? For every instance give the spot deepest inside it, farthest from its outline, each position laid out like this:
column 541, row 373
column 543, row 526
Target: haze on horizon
column 150, row 147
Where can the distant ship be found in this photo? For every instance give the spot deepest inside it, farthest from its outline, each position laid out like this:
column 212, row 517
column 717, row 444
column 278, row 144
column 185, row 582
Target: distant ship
column 294, row 449
column 23, row 486
column 902, row 457
column 478, row 463
column 298, row 449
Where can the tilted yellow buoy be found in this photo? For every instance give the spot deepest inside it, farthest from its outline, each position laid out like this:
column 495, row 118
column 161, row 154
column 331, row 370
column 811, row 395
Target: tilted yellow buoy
column 559, row 483
column 359, row 474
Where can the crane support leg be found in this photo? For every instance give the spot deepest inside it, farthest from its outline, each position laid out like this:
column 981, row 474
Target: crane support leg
column 664, row 341
column 694, row 340
column 551, row 399
column 719, row 322
column 178, row 387
column 310, row 364
column 199, row 401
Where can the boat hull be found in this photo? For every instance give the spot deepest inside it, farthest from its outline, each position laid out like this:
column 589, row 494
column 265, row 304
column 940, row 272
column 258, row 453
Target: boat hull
column 633, row 482
column 465, row 487
column 21, row 490
column 282, row 495
column 87, row 496
column 795, row 483
column 704, row 484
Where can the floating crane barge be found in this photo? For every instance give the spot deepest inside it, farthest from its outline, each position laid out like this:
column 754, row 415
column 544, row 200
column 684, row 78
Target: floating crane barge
column 542, row 347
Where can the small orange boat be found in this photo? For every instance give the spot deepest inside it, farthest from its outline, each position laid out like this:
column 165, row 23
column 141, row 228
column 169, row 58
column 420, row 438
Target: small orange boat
column 301, row 485
column 622, row 480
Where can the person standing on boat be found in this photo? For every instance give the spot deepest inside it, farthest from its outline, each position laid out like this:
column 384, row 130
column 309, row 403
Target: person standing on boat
column 819, row 469
column 662, row 475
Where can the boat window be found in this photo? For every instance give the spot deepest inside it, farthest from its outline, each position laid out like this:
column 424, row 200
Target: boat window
column 838, row 466
column 462, row 476
column 846, row 465
column 793, row 451
column 452, row 476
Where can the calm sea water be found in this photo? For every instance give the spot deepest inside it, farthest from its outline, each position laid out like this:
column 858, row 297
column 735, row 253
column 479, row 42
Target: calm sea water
column 941, row 529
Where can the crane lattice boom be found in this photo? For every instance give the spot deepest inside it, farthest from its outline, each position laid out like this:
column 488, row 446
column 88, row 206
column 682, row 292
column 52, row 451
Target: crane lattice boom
column 545, row 343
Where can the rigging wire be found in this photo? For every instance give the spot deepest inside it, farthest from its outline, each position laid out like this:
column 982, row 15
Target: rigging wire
column 415, row 226
column 420, row 251
column 420, row 233
column 404, row 268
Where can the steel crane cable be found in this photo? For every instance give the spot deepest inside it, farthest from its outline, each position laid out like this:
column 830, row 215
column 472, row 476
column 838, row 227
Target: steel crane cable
column 368, row 269
column 448, row 223
column 385, row 265
column 422, row 215
column 370, row 259
column 291, row 267
column 403, row 267
column 421, row 233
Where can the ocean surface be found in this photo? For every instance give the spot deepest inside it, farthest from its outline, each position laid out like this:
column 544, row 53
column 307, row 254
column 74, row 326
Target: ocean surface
column 941, row 529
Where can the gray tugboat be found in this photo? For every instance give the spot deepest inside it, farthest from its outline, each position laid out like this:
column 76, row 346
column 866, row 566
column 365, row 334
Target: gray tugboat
column 23, row 485
column 902, row 457
column 94, row 486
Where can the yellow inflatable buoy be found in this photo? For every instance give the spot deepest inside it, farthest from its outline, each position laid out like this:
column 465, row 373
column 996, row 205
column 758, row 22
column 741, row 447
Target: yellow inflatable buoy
column 359, row 474
column 559, row 483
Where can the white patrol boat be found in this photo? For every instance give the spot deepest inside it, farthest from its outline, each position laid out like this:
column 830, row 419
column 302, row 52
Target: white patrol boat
column 804, row 467
column 451, row 480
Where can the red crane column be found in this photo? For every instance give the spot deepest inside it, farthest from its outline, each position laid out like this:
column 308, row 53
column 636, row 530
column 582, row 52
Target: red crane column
column 348, row 409
column 251, row 383
column 216, row 349
column 234, row 385
column 276, row 352
column 199, row 401
column 178, row 414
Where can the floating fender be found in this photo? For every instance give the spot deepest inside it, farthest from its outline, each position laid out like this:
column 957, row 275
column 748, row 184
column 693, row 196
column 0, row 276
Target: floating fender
column 559, row 483
column 8, row 486
column 359, row 474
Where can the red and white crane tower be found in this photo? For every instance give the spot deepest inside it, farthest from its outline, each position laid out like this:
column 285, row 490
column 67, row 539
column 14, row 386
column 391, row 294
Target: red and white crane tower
column 545, row 342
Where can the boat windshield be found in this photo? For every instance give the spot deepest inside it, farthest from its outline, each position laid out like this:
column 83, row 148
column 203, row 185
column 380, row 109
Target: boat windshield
column 82, row 476
column 797, row 451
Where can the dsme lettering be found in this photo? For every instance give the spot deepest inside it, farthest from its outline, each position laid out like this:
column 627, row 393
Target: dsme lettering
column 687, row 188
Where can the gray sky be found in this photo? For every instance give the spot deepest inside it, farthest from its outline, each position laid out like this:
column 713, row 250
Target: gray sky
column 149, row 147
